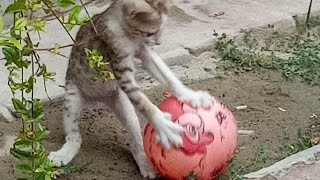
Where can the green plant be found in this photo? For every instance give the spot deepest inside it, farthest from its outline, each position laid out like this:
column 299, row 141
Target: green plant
column 309, row 13
column 304, row 141
column 242, row 58
column 20, row 54
column 304, row 60
column 293, row 55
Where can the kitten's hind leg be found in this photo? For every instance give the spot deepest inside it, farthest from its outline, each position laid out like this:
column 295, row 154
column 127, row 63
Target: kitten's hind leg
column 128, row 117
column 71, row 118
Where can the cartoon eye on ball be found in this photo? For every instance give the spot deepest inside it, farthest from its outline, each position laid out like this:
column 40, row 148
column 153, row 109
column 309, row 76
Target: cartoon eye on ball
column 194, row 136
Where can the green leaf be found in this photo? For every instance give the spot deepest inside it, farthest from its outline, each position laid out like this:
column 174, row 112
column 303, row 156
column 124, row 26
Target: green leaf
column 20, row 23
column 15, row 7
column 69, row 27
column 38, row 25
column 39, row 170
column 15, row 43
column 24, row 168
column 73, row 16
column 1, row 25
column 56, row 47
column 66, row 3
column 11, row 55
column 47, row 177
column 19, row 154
column 37, row 109
column 18, row 105
column 42, row 135
column 23, row 143
column 30, row 83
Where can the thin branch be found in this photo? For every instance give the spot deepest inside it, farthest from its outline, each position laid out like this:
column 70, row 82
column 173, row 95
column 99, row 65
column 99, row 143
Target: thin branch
column 58, row 20
column 62, row 55
column 45, row 88
column 309, row 13
column 37, row 57
column 94, row 27
column 50, row 18
column 66, row 46
column 22, row 71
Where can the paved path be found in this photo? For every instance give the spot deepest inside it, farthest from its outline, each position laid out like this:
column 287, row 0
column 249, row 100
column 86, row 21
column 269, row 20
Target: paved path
column 304, row 165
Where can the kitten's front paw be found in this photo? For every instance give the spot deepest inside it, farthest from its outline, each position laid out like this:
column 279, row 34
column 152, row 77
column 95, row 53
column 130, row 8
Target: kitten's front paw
column 167, row 132
column 65, row 154
column 197, row 98
column 58, row 158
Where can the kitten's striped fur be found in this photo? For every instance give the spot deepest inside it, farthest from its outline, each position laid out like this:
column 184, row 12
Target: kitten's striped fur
column 125, row 30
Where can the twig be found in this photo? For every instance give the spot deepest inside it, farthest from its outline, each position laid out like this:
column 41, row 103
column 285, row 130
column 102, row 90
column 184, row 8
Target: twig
column 309, row 13
column 58, row 20
column 59, row 54
column 49, row 17
column 45, row 88
column 65, row 46
column 94, row 27
column 22, row 71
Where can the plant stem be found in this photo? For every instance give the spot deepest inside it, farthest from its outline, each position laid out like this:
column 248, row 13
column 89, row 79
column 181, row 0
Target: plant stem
column 94, row 27
column 309, row 13
column 22, row 70
column 48, row 17
column 58, row 20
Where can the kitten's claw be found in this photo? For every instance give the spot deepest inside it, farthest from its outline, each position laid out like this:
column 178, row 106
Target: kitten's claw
column 167, row 132
column 197, row 98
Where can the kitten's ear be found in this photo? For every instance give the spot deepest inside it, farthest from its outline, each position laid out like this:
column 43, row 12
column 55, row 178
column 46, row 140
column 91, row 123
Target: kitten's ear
column 162, row 6
column 132, row 8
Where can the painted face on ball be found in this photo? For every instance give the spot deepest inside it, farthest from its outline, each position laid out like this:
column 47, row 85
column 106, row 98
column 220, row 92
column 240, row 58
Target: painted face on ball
column 195, row 138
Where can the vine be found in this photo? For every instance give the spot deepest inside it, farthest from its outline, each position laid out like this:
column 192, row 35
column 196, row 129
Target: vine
column 21, row 57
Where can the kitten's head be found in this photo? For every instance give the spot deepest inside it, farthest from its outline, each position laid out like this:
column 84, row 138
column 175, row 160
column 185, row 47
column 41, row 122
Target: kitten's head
column 142, row 20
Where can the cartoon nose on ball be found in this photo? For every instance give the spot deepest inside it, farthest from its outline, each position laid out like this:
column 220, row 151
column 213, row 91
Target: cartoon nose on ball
column 209, row 140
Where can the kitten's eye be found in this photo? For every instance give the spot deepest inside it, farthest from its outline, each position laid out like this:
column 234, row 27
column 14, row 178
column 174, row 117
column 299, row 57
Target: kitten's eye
column 150, row 34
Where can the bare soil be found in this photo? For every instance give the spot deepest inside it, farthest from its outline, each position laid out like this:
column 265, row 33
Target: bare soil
column 105, row 154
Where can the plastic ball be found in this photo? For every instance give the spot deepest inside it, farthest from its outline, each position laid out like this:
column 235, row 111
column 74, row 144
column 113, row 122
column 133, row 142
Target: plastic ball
column 209, row 140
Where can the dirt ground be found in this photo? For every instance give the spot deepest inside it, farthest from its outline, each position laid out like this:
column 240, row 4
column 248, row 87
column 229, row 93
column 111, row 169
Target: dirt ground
column 104, row 154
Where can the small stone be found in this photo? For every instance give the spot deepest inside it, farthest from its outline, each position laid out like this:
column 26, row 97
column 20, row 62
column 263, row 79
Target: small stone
column 245, row 132
column 281, row 109
column 241, row 107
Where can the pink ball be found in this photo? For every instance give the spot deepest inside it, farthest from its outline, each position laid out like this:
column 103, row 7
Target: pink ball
column 209, row 140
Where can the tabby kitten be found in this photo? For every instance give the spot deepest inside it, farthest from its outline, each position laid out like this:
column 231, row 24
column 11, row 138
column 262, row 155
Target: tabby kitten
column 125, row 31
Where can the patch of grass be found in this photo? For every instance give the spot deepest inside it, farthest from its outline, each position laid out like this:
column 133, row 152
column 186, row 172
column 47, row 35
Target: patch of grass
column 72, row 168
column 236, row 172
column 304, row 141
column 293, row 55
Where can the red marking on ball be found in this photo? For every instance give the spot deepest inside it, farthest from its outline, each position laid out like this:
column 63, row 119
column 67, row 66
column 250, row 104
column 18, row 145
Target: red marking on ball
column 209, row 140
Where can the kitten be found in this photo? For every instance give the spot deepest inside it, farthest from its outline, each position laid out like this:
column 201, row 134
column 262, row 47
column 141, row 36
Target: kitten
column 125, row 31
